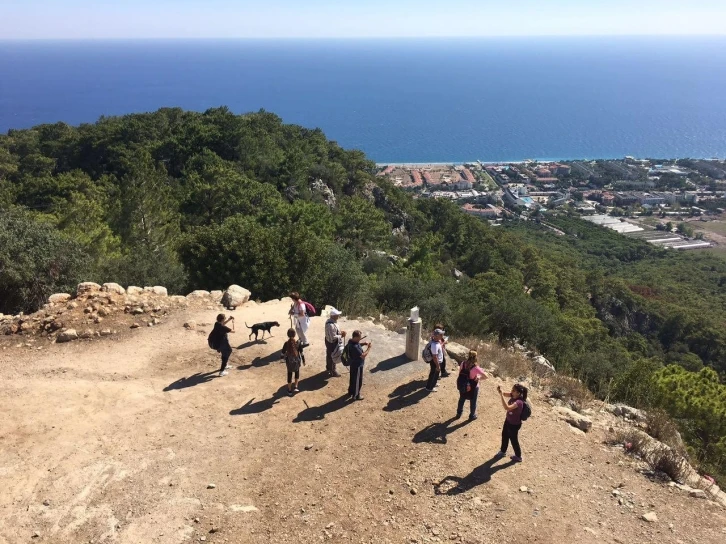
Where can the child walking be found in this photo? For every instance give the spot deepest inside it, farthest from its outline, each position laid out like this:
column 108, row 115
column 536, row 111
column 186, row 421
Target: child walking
column 513, row 422
column 292, row 353
column 468, row 384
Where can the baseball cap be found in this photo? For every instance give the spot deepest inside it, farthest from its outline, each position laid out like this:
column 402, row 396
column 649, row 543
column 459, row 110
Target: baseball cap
column 335, row 311
column 439, row 331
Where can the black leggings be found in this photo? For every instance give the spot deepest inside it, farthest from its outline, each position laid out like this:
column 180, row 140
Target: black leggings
column 225, row 358
column 290, row 373
column 510, row 432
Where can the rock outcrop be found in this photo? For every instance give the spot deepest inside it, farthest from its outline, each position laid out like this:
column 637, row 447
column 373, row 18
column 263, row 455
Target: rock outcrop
column 114, row 288
column 579, row 421
column 59, row 298
column 86, row 288
column 235, row 296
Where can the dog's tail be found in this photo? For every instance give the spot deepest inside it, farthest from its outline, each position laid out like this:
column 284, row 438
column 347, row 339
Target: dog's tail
column 246, row 325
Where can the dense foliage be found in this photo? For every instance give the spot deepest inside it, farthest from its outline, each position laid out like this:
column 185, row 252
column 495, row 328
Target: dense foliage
column 201, row 200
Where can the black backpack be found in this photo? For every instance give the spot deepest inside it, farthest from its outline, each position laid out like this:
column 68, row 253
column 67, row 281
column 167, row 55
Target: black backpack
column 345, row 357
column 213, row 340
column 526, row 411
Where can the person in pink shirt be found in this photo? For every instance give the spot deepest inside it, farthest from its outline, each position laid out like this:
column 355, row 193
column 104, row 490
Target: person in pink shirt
column 513, row 420
column 470, row 373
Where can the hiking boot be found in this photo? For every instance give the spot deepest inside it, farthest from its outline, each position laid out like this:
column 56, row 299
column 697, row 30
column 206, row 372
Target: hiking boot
column 516, row 458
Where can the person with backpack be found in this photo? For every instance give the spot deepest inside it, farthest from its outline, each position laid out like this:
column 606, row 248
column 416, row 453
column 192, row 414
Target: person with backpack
column 219, row 341
column 292, row 353
column 299, row 313
column 517, row 411
column 432, row 355
column 468, row 384
column 355, row 357
column 334, row 339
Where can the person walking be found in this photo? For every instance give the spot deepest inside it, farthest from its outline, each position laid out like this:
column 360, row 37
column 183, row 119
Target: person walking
column 470, row 373
column 220, row 332
column 300, row 317
column 334, row 339
column 434, row 359
column 444, row 372
column 292, row 353
column 513, row 421
column 356, row 358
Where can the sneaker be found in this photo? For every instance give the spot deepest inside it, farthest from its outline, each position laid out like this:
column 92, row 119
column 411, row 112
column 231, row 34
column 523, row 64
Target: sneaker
column 359, row 398
column 458, row 415
column 472, row 417
column 335, row 375
column 429, row 390
column 290, row 393
column 500, row 454
column 223, row 373
column 445, row 374
column 516, row 458
column 350, row 398
column 297, row 390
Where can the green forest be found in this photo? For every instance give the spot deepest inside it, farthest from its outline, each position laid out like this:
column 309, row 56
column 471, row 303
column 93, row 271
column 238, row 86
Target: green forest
column 202, row 200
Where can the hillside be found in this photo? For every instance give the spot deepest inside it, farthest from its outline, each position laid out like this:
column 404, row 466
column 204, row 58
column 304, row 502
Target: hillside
column 204, row 200
column 118, row 438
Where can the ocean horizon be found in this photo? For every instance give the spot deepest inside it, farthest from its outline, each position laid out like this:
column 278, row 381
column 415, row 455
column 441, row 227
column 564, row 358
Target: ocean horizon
column 438, row 100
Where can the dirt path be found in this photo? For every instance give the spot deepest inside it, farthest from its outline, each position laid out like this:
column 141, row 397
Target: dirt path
column 118, row 441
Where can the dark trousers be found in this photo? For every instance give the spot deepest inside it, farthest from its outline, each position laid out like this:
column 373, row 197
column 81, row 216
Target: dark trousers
column 290, row 373
column 510, row 433
column 356, row 380
column 433, row 376
column 474, row 393
column 329, row 350
column 225, row 357
column 443, row 366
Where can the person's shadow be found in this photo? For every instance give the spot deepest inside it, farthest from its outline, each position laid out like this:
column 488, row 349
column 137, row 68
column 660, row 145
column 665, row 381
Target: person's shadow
column 252, row 407
column 390, row 363
column 250, row 343
column 455, row 485
column 191, row 381
column 406, row 395
column 262, row 361
column 437, row 433
column 316, row 413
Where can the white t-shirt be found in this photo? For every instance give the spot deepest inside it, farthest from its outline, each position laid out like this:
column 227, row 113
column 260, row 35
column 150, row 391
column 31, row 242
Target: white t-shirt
column 436, row 351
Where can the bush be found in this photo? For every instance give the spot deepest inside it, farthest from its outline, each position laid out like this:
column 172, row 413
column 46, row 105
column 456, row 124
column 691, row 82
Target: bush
column 632, row 440
column 670, row 462
column 36, row 261
column 570, row 390
column 660, row 426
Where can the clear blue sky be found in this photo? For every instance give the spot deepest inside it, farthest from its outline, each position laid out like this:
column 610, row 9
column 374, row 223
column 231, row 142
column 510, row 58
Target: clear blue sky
column 354, row 18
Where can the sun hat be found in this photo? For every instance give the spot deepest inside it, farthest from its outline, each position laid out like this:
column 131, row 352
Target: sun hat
column 335, row 312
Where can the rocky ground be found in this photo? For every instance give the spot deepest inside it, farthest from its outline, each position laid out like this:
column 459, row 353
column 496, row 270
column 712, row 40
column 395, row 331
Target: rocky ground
column 128, row 435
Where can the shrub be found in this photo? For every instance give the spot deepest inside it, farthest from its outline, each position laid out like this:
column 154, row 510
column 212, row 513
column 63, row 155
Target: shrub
column 660, row 426
column 569, row 389
column 632, row 440
column 670, row 462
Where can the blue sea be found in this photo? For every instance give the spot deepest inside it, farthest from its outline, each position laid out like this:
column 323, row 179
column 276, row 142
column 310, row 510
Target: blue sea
column 413, row 100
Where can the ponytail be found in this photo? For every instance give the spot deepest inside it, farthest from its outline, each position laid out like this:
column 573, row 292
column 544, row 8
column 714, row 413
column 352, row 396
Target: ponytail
column 522, row 390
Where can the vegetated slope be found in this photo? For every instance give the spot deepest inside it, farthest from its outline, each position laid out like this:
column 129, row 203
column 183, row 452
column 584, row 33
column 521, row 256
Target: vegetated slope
column 133, row 438
column 192, row 200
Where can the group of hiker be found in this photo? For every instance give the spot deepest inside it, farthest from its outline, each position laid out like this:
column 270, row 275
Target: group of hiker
column 353, row 354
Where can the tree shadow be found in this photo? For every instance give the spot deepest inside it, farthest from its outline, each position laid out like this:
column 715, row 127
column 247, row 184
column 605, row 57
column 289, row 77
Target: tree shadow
column 262, row 361
column 251, row 407
column 191, row 381
column 406, row 395
column 455, row 485
column 437, row 433
column 316, row 413
column 390, row 363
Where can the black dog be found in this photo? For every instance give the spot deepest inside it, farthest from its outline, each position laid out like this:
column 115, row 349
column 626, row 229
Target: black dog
column 264, row 327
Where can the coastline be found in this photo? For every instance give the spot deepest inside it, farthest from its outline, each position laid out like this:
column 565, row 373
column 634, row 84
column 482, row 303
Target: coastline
column 540, row 159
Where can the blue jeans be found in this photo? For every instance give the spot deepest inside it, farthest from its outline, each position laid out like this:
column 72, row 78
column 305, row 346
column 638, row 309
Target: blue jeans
column 472, row 402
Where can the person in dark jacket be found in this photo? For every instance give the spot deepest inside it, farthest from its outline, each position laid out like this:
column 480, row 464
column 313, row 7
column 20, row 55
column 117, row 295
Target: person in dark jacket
column 220, row 331
column 292, row 353
column 357, row 357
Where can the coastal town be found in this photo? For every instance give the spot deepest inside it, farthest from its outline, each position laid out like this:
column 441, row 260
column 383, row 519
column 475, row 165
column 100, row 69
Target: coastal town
column 675, row 204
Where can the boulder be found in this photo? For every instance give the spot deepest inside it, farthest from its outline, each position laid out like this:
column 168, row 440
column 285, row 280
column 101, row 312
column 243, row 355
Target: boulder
column 199, row 293
column 106, row 332
column 650, row 517
column 59, row 298
column 160, row 291
column 133, row 290
column 216, row 295
column 114, row 288
column 178, row 299
column 86, row 288
column 543, row 367
column 579, row 421
column 457, row 352
column 88, row 333
column 67, row 335
column 235, row 296
column 628, row 412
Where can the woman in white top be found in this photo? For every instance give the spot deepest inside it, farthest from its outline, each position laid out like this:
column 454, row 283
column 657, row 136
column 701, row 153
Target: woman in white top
column 299, row 314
